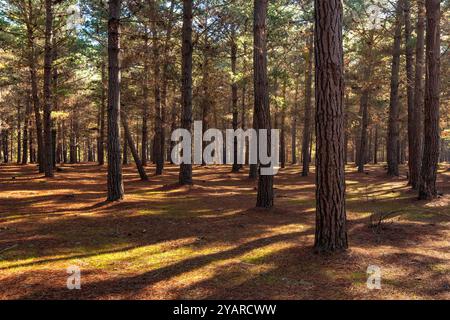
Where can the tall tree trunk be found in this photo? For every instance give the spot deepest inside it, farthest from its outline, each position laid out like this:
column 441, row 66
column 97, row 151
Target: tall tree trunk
column 416, row 121
column 101, row 139
column 134, row 152
column 158, row 151
column 234, row 99
column 265, row 197
column 427, row 189
column 308, row 108
column 115, row 179
column 185, row 177
column 146, row 104
column 34, row 86
column 48, row 57
column 393, row 129
column 412, row 132
column 331, row 225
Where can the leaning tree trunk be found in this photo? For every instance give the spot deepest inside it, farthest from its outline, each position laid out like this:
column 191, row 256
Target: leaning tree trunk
column 427, row 189
column 48, row 57
column 308, row 109
column 265, row 195
column 416, row 147
column 115, row 180
column 331, row 228
column 393, row 127
column 185, row 177
column 134, row 152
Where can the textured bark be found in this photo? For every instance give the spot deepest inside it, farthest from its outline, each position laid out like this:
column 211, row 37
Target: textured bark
column 331, row 228
column 427, row 189
column 134, row 152
column 306, row 159
column 115, row 180
column 416, row 129
column 185, row 177
column 394, row 128
column 48, row 57
column 265, row 197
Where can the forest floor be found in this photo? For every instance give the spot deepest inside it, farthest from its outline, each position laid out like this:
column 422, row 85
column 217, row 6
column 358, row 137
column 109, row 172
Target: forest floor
column 208, row 241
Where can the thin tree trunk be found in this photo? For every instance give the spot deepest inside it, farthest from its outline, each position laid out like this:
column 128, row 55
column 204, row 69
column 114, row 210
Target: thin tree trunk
column 416, row 129
column 48, row 57
column 234, row 100
column 146, row 105
column 265, row 197
column 101, row 139
column 25, row 130
column 393, row 129
column 308, row 109
column 19, row 134
column 427, row 189
column 34, row 87
column 185, row 177
column 375, row 146
column 362, row 158
column 115, row 179
column 331, row 225
column 158, row 146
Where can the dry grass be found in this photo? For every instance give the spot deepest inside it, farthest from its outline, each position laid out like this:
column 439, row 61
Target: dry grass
column 207, row 241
